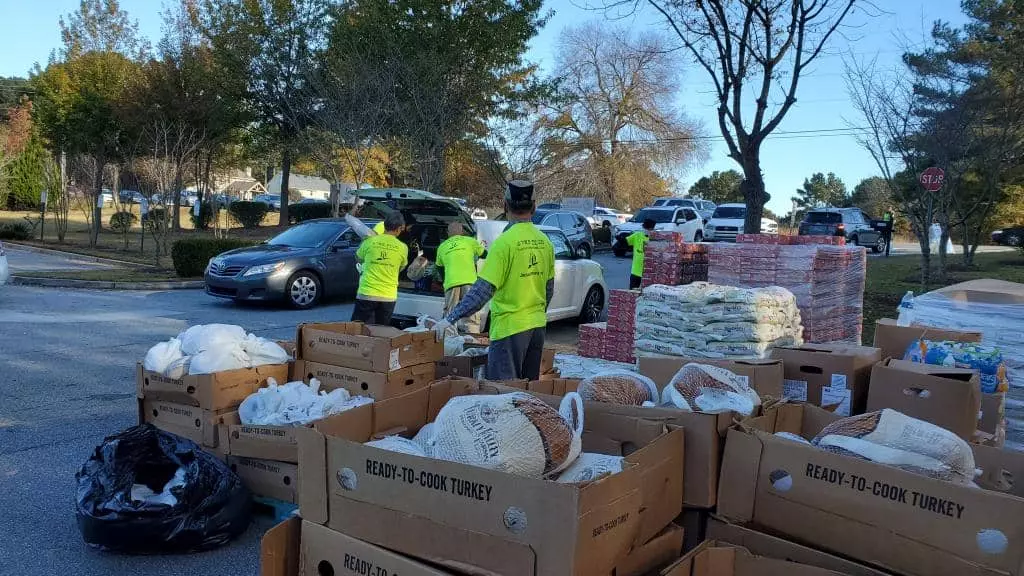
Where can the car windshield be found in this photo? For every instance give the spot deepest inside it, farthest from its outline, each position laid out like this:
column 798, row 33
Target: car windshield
column 659, row 216
column 824, row 217
column 308, row 235
column 730, row 212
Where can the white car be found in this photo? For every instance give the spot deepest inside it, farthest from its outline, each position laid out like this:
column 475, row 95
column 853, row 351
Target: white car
column 580, row 291
column 703, row 207
column 727, row 222
column 478, row 214
column 686, row 221
column 607, row 217
column 5, row 271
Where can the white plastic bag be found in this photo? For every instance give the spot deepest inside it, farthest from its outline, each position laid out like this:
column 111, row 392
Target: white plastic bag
column 162, row 356
column 514, row 433
column 709, row 389
column 210, row 337
column 398, row 444
column 219, row 359
column 295, row 404
column 263, row 352
column 619, row 387
column 590, row 466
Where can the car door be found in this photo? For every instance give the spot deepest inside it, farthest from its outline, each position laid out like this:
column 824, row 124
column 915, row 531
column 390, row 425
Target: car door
column 566, row 274
column 688, row 223
column 341, row 276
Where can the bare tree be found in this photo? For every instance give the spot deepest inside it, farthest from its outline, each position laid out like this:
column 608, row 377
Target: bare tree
column 615, row 108
column 759, row 47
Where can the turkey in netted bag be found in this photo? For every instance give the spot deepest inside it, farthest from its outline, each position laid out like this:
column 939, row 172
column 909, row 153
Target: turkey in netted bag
column 710, row 389
column 514, row 433
column 619, row 387
column 399, row 444
column 590, row 466
column 145, row 491
column 892, row 438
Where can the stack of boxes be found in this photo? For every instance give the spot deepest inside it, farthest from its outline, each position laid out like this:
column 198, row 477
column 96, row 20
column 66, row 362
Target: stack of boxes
column 826, row 277
column 670, row 261
column 618, row 344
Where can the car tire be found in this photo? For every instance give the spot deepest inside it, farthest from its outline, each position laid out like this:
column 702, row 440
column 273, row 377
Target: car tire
column 303, row 290
column 593, row 306
column 619, row 253
column 584, row 251
column 1012, row 240
column 698, row 236
column 879, row 246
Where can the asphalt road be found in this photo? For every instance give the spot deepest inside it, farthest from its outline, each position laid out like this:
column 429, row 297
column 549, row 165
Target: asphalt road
column 67, row 360
column 24, row 261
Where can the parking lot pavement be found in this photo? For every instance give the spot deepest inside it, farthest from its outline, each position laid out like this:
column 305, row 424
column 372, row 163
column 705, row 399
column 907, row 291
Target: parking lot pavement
column 25, row 261
column 67, row 358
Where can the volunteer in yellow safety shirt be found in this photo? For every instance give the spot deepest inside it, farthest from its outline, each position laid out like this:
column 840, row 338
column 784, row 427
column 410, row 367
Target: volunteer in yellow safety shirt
column 383, row 257
column 638, row 240
column 378, row 228
column 457, row 257
column 518, row 279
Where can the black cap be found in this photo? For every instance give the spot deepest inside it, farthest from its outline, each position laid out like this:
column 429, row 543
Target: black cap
column 519, row 193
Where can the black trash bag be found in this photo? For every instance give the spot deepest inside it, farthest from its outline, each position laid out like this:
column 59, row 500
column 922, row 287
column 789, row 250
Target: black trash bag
column 212, row 506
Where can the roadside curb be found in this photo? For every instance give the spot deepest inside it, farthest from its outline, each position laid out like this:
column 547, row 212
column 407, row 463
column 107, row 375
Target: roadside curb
column 75, row 255
column 105, row 285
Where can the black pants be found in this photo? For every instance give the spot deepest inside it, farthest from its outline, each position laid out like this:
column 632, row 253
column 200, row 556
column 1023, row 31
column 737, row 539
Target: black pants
column 517, row 356
column 373, row 312
column 634, row 281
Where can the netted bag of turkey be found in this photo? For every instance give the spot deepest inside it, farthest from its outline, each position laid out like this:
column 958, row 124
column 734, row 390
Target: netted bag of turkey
column 892, row 438
column 590, row 466
column 514, row 433
column 399, row 444
column 619, row 387
column 710, row 389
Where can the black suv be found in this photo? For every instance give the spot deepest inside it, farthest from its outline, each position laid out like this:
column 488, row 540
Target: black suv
column 848, row 222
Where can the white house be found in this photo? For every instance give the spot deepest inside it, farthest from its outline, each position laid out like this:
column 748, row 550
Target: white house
column 306, row 186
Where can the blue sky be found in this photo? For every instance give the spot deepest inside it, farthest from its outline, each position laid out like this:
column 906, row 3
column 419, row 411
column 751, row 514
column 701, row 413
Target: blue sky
column 31, row 33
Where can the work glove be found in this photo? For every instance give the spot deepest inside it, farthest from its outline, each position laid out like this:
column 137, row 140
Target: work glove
column 442, row 329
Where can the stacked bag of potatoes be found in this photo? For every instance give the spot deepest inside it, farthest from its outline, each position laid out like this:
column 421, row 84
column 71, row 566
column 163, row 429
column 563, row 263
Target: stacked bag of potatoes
column 709, row 321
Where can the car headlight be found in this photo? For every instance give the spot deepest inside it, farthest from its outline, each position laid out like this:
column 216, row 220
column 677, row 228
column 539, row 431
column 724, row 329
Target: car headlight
column 264, row 269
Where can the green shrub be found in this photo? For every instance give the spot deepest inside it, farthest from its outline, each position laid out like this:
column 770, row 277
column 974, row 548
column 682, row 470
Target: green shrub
column 603, row 235
column 122, row 222
column 15, row 231
column 308, row 211
column 249, row 214
column 191, row 255
column 205, row 216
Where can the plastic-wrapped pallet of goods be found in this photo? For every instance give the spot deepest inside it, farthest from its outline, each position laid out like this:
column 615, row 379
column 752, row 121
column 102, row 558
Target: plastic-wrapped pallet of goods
column 670, row 261
column 592, row 339
column 618, row 344
column 826, row 277
column 713, row 321
column 996, row 309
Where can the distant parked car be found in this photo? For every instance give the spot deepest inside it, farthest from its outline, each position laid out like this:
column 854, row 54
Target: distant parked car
column 5, row 271
column 1012, row 236
column 606, row 217
column 270, row 200
column 848, row 222
column 479, row 214
column 685, row 220
column 575, row 227
column 727, row 221
column 703, row 207
column 550, row 206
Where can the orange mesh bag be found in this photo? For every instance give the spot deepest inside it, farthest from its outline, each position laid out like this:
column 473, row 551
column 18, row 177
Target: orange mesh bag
column 619, row 387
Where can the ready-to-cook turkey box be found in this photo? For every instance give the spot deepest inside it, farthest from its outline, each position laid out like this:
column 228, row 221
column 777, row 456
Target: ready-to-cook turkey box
column 365, row 346
column 902, row 522
column 215, row 391
column 472, row 518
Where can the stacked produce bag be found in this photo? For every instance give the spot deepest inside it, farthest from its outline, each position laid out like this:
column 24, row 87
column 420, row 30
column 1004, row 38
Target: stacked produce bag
column 708, row 321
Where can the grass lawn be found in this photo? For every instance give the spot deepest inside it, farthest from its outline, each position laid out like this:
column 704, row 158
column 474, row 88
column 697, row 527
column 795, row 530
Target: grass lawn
column 888, row 279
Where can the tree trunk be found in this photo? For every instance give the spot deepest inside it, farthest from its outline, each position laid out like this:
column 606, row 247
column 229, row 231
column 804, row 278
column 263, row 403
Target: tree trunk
column 943, row 252
column 97, row 210
column 286, row 168
column 753, row 193
column 178, row 177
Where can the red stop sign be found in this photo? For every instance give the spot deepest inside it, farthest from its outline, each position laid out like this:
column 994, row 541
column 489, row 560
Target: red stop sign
column 933, row 178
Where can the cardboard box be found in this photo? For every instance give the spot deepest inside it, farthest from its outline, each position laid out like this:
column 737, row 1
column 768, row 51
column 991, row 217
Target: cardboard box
column 763, row 544
column 695, row 524
column 269, row 478
column 894, row 340
column 828, row 374
column 295, row 547
column 946, row 397
column 471, row 516
column 900, row 521
column 205, row 427
column 713, row 558
column 993, row 421
column 765, row 376
column 366, row 346
column 208, row 391
column 550, row 386
column 376, row 385
column 662, row 550
column 278, row 443
column 459, row 366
